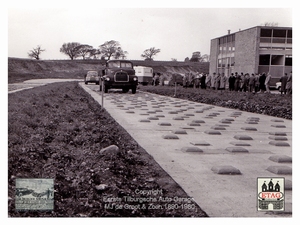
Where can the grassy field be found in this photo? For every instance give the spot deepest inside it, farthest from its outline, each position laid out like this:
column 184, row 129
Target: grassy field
column 56, row 131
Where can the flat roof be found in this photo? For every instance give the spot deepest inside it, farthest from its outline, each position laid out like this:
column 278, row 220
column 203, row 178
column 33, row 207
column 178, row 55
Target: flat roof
column 267, row 27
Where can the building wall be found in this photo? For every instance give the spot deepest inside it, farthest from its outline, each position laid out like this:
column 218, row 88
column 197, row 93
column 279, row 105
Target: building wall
column 246, row 51
column 250, row 49
column 213, row 56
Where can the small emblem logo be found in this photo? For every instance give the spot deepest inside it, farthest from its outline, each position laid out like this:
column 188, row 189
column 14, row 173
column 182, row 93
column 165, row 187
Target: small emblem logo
column 270, row 194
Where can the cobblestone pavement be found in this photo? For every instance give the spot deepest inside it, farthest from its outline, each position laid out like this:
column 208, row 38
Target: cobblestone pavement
column 216, row 154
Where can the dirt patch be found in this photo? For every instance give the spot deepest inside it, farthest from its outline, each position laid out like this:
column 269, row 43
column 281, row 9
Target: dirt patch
column 57, row 131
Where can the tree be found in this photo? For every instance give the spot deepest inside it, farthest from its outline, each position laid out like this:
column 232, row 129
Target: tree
column 35, row 53
column 70, row 49
column 174, row 59
column 120, row 54
column 149, row 53
column 83, row 51
column 112, row 49
column 205, row 58
column 94, row 53
column 196, row 57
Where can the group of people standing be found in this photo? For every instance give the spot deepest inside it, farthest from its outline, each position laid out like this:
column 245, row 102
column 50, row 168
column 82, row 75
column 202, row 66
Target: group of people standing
column 286, row 84
column 247, row 83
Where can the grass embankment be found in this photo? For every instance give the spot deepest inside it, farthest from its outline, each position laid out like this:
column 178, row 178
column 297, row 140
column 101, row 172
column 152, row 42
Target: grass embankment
column 262, row 103
column 56, row 131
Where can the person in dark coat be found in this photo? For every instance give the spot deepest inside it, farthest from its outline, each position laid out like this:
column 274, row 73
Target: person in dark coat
column 203, row 81
column 237, row 82
column 217, row 82
column 262, row 80
column 231, row 81
column 246, row 82
column 252, row 83
column 283, row 81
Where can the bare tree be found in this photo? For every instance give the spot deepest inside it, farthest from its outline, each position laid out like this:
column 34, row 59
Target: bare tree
column 70, row 49
column 112, row 49
column 149, row 53
column 35, row 53
column 174, row 59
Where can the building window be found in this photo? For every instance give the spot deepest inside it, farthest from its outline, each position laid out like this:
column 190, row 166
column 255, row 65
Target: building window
column 220, row 63
column 279, row 33
column 289, row 33
column 277, row 60
column 278, row 40
column 232, row 61
column 264, row 59
column 265, row 40
column 288, row 60
column 266, row 32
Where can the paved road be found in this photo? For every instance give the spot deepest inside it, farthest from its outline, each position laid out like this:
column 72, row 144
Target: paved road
column 15, row 87
column 195, row 143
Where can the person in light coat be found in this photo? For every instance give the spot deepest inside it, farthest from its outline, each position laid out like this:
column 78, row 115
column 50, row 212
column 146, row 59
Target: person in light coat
column 223, row 80
column 267, row 82
column 208, row 81
column 213, row 81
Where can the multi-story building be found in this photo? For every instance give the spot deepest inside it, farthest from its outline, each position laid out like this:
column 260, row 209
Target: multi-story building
column 254, row 50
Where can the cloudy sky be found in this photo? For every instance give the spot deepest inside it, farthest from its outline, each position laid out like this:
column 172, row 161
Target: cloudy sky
column 178, row 31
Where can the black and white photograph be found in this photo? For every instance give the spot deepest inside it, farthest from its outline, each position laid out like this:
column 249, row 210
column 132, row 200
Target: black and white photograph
column 124, row 110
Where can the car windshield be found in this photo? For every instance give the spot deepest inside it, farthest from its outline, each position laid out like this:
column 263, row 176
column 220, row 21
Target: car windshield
column 119, row 64
column 92, row 73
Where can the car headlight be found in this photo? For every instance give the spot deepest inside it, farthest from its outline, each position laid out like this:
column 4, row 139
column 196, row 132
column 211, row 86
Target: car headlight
column 135, row 79
column 107, row 79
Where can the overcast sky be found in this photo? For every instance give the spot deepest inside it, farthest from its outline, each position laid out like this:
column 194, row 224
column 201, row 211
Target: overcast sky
column 178, row 32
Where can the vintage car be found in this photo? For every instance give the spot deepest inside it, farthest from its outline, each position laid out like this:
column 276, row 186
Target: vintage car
column 23, row 191
column 119, row 74
column 91, row 77
column 278, row 86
